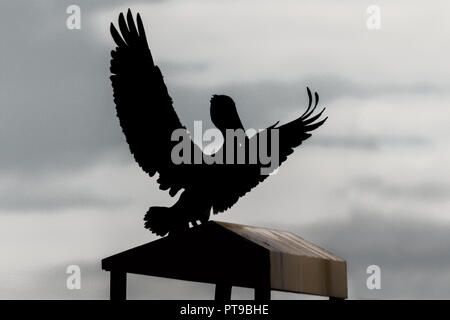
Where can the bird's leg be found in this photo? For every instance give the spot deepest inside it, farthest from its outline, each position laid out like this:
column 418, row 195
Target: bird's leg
column 179, row 228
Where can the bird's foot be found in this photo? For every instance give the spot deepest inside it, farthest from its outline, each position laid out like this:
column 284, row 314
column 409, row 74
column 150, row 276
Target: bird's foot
column 198, row 222
column 194, row 223
column 184, row 227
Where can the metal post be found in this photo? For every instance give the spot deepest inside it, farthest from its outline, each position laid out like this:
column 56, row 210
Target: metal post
column 262, row 294
column 223, row 292
column 118, row 285
column 336, row 299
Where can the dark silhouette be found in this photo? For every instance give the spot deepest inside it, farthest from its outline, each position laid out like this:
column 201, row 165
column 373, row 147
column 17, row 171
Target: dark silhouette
column 148, row 119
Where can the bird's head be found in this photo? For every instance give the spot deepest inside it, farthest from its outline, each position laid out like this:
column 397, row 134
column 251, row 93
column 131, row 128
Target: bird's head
column 224, row 114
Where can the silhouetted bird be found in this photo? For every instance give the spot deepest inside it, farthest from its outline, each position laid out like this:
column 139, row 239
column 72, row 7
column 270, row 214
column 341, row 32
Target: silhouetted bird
column 148, row 120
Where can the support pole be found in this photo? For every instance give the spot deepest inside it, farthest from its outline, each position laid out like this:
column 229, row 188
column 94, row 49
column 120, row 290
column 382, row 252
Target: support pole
column 336, row 299
column 118, row 285
column 262, row 294
column 223, row 292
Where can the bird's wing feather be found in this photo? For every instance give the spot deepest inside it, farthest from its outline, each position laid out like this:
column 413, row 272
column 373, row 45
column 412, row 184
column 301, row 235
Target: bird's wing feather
column 291, row 135
column 143, row 105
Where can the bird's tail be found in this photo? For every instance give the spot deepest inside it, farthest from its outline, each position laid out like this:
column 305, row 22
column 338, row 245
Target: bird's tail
column 160, row 220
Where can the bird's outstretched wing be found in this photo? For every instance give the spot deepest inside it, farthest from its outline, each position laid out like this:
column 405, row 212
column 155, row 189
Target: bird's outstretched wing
column 290, row 136
column 144, row 107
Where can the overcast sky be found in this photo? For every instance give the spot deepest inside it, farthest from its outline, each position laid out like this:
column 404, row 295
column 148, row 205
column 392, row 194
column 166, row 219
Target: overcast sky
column 372, row 185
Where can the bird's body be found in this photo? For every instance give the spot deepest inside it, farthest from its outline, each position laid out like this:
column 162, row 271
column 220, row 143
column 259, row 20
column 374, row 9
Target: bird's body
column 148, row 120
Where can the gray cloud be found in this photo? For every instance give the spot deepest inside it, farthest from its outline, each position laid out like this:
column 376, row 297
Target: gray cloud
column 57, row 108
column 21, row 201
column 425, row 190
column 412, row 253
column 369, row 142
